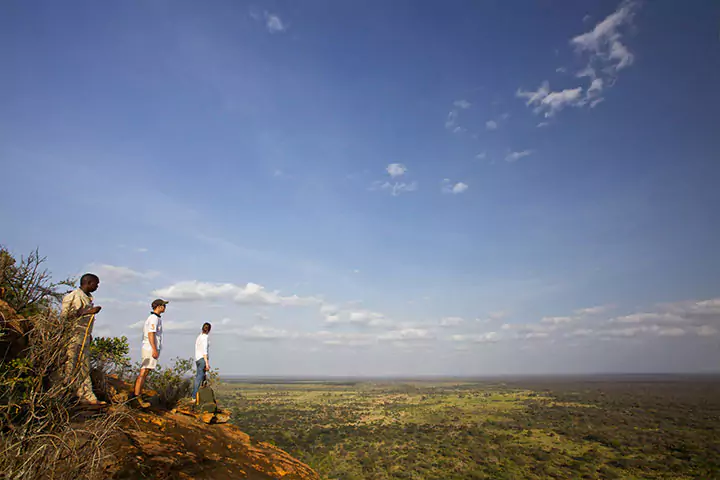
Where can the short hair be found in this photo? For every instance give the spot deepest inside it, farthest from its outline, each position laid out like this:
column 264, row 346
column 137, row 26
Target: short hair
column 87, row 277
column 206, row 327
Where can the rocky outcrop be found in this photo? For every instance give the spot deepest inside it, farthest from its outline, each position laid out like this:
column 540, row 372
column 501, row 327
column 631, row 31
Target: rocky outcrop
column 173, row 445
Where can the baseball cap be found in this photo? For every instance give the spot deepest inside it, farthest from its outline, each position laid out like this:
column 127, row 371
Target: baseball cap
column 156, row 303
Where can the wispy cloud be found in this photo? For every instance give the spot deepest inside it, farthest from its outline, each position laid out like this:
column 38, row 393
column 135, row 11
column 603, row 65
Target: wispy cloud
column 119, row 274
column 515, row 156
column 549, row 102
column 607, row 55
column 462, row 104
column 451, row 121
column 274, row 23
column 451, row 322
column 491, row 125
column 394, row 186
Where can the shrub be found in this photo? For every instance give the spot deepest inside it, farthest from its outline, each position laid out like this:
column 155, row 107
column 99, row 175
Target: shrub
column 173, row 383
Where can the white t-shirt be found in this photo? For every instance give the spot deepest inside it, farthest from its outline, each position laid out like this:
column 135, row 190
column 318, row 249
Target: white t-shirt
column 152, row 324
column 202, row 346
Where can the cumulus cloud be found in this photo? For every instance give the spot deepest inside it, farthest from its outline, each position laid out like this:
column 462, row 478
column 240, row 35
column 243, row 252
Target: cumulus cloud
column 274, row 23
column 396, row 170
column 249, row 294
column 515, row 156
column 491, row 125
column 454, row 188
column 118, row 274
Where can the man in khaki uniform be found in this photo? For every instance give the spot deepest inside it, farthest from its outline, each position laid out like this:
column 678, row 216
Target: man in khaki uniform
column 77, row 307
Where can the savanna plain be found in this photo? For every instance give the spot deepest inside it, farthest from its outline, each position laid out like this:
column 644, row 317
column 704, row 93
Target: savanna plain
column 629, row 427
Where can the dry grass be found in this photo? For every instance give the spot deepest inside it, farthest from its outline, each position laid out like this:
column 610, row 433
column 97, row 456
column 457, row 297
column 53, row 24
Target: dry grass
column 38, row 436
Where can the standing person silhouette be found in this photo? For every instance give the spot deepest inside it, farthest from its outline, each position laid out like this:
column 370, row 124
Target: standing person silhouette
column 151, row 347
column 202, row 360
column 77, row 306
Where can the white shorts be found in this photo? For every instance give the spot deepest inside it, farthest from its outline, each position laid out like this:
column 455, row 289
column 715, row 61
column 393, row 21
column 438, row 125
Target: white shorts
column 147, row 360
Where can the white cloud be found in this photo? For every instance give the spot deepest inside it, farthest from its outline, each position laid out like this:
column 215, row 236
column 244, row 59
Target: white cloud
column 118, row 274
column 274, row 23
column 491, row 125
column 451, row 322
column 604, row 43
column 593, row 310
column 451, row 120
column 396, row 188
column 141, row 250
column 580, row 332
column 607, row 56
column 648, row 317
column 264, row 333
column 706, row 331
column 396, row 169
column 515, row 156
column 481, row 156
column 551, row 102
column 489, row 337
column 406, row 334
column 454, row 188
column 671, row 332
column 557, row 320
column 366, row 317
column 536, row 335
column 543, row 124
column 249, row 294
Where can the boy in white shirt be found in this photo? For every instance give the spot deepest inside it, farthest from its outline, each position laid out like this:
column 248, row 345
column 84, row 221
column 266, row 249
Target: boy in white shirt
column 151, row 347
column 202, row 353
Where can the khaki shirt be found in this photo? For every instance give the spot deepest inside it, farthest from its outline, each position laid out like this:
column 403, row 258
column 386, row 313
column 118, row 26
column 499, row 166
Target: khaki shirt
column 72, row 302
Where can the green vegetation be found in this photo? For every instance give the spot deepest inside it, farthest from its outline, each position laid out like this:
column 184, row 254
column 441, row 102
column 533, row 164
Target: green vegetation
column 601, row 428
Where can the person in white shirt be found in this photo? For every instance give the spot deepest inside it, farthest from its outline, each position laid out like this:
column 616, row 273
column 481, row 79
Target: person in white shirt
column 151, row 347
column 202, row 360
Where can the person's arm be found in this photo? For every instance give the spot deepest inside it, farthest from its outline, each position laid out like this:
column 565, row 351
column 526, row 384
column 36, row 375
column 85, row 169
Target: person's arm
column 206, row 355
column 151, row 337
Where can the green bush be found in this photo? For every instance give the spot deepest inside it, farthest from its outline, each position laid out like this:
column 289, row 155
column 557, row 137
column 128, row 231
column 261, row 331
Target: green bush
column 173, row 383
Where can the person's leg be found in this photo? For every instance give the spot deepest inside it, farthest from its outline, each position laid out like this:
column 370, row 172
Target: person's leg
column 199, row 376
column 140, row 381
column 85, row 389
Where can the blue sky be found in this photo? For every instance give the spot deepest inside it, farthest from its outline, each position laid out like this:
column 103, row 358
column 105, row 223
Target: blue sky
column 376, row 188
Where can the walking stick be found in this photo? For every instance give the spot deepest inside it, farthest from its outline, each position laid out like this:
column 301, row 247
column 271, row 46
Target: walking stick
column 82, row 347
